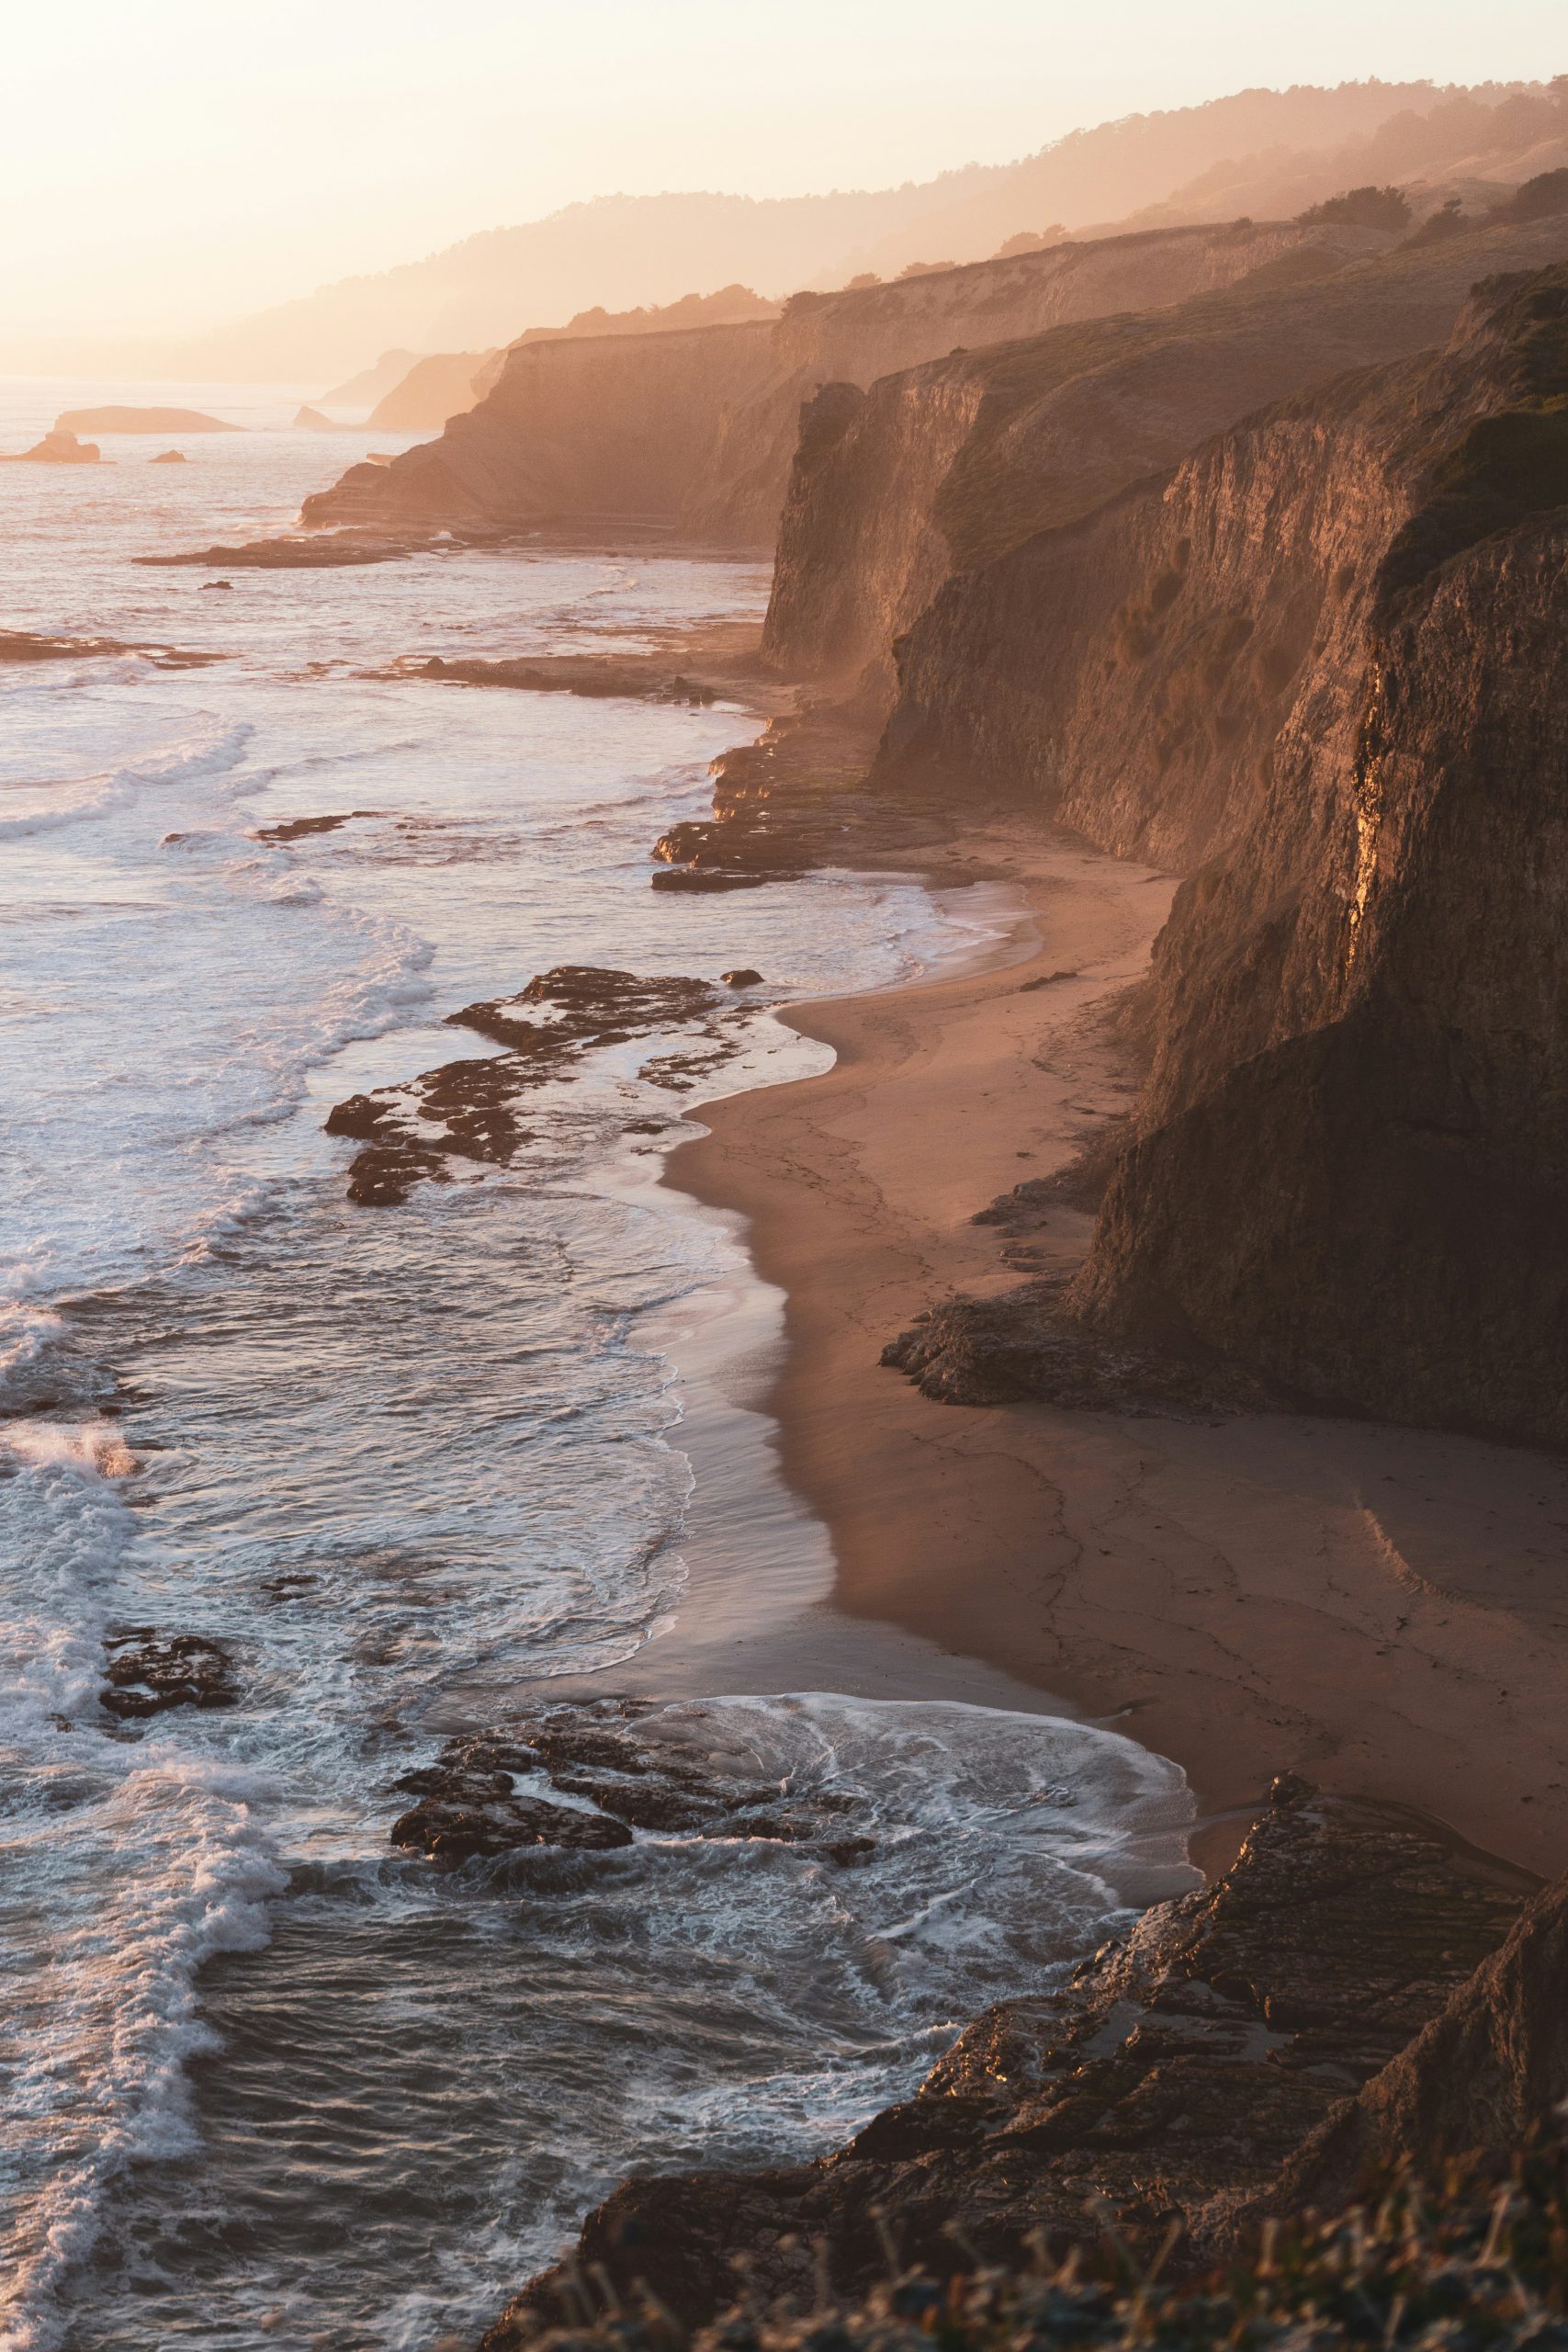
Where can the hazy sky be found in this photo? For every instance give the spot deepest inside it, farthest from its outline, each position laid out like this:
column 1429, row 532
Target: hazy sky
column 168, row 163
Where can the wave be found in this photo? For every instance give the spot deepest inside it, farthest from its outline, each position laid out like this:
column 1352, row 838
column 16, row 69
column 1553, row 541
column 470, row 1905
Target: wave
column 215, row 752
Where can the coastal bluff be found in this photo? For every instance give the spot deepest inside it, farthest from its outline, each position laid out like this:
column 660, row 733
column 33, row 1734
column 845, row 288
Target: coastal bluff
column 697, row 428
column 1319, row 668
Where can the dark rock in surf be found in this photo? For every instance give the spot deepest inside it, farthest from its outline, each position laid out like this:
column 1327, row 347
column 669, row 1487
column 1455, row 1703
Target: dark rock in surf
column 453, row 1829
column 146, row 1675
column 744, row 978
column 635, row 1769
column 585, row 1004
column 295, row 828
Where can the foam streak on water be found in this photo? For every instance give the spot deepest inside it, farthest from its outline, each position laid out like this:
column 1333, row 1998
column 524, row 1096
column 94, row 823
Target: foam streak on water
column 259, row 2067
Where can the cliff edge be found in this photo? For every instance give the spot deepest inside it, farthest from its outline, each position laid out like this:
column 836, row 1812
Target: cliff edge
column 698, row 428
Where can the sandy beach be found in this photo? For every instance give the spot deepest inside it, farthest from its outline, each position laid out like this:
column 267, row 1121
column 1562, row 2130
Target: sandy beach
column 1384, row 1610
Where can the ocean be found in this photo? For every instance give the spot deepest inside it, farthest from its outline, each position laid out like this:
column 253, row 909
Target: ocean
column 269, row 2079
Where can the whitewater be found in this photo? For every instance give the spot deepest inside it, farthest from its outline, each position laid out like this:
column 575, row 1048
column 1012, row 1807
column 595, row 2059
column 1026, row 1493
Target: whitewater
column 270, row 2080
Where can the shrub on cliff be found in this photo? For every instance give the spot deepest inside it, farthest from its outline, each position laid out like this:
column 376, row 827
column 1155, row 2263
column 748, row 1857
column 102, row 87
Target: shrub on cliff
column 1478, row 2263
column 1362, row 208
column 1537, row 200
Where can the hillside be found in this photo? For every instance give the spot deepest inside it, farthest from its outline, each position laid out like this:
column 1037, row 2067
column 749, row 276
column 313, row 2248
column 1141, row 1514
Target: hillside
column 620, row 251
column 1464, row 143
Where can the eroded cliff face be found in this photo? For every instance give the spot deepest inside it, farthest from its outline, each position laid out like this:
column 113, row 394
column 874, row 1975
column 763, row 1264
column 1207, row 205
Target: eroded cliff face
column 556, row 425
column 1323, row 667
column 947, row 466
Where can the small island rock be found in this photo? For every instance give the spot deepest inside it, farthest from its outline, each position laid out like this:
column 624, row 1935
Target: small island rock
column 59, row 448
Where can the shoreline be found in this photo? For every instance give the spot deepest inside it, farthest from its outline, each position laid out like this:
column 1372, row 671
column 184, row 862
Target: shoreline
column 1366, row 1605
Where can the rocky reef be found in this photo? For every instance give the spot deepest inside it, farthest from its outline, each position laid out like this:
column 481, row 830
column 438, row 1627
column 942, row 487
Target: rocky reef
column 586, row 1776
column 468, row 1111
column 140, row 420
column 1349, row 1967
column 697, row 427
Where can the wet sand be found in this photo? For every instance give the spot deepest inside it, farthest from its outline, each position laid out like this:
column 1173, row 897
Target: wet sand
column 1384, row 1610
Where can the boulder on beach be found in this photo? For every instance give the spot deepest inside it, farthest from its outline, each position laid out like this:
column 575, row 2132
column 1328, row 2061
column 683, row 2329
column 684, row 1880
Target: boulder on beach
column 56, row 448
column 140, row 420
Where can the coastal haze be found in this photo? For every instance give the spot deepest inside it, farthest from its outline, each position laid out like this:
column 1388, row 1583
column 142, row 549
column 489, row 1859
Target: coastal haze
column 781, row 1238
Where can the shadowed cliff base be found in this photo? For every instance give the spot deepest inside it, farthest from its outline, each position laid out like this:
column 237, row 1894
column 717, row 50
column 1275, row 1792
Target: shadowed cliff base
column 796, row 798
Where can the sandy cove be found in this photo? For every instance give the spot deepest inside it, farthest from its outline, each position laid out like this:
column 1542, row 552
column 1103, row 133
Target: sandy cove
column 1382, row 1608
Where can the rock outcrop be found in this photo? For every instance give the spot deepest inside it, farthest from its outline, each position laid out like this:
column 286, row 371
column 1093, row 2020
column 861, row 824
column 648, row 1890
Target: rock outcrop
column 942, row 468
column 1483, row 2074
column 622, row 1765
column 467, row 1112
column 148, row 1673
column 697, row 428
column 56, row 448
column 1322, row 667
column 1178, row 2070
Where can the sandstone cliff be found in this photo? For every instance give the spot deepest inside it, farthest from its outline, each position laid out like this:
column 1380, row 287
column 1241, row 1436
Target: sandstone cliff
column 1323, row 667
column 716, row 413
column 944, row 467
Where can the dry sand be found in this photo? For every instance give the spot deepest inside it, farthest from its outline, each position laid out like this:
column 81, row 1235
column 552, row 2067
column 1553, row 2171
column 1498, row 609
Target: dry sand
column 1384, row 1610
